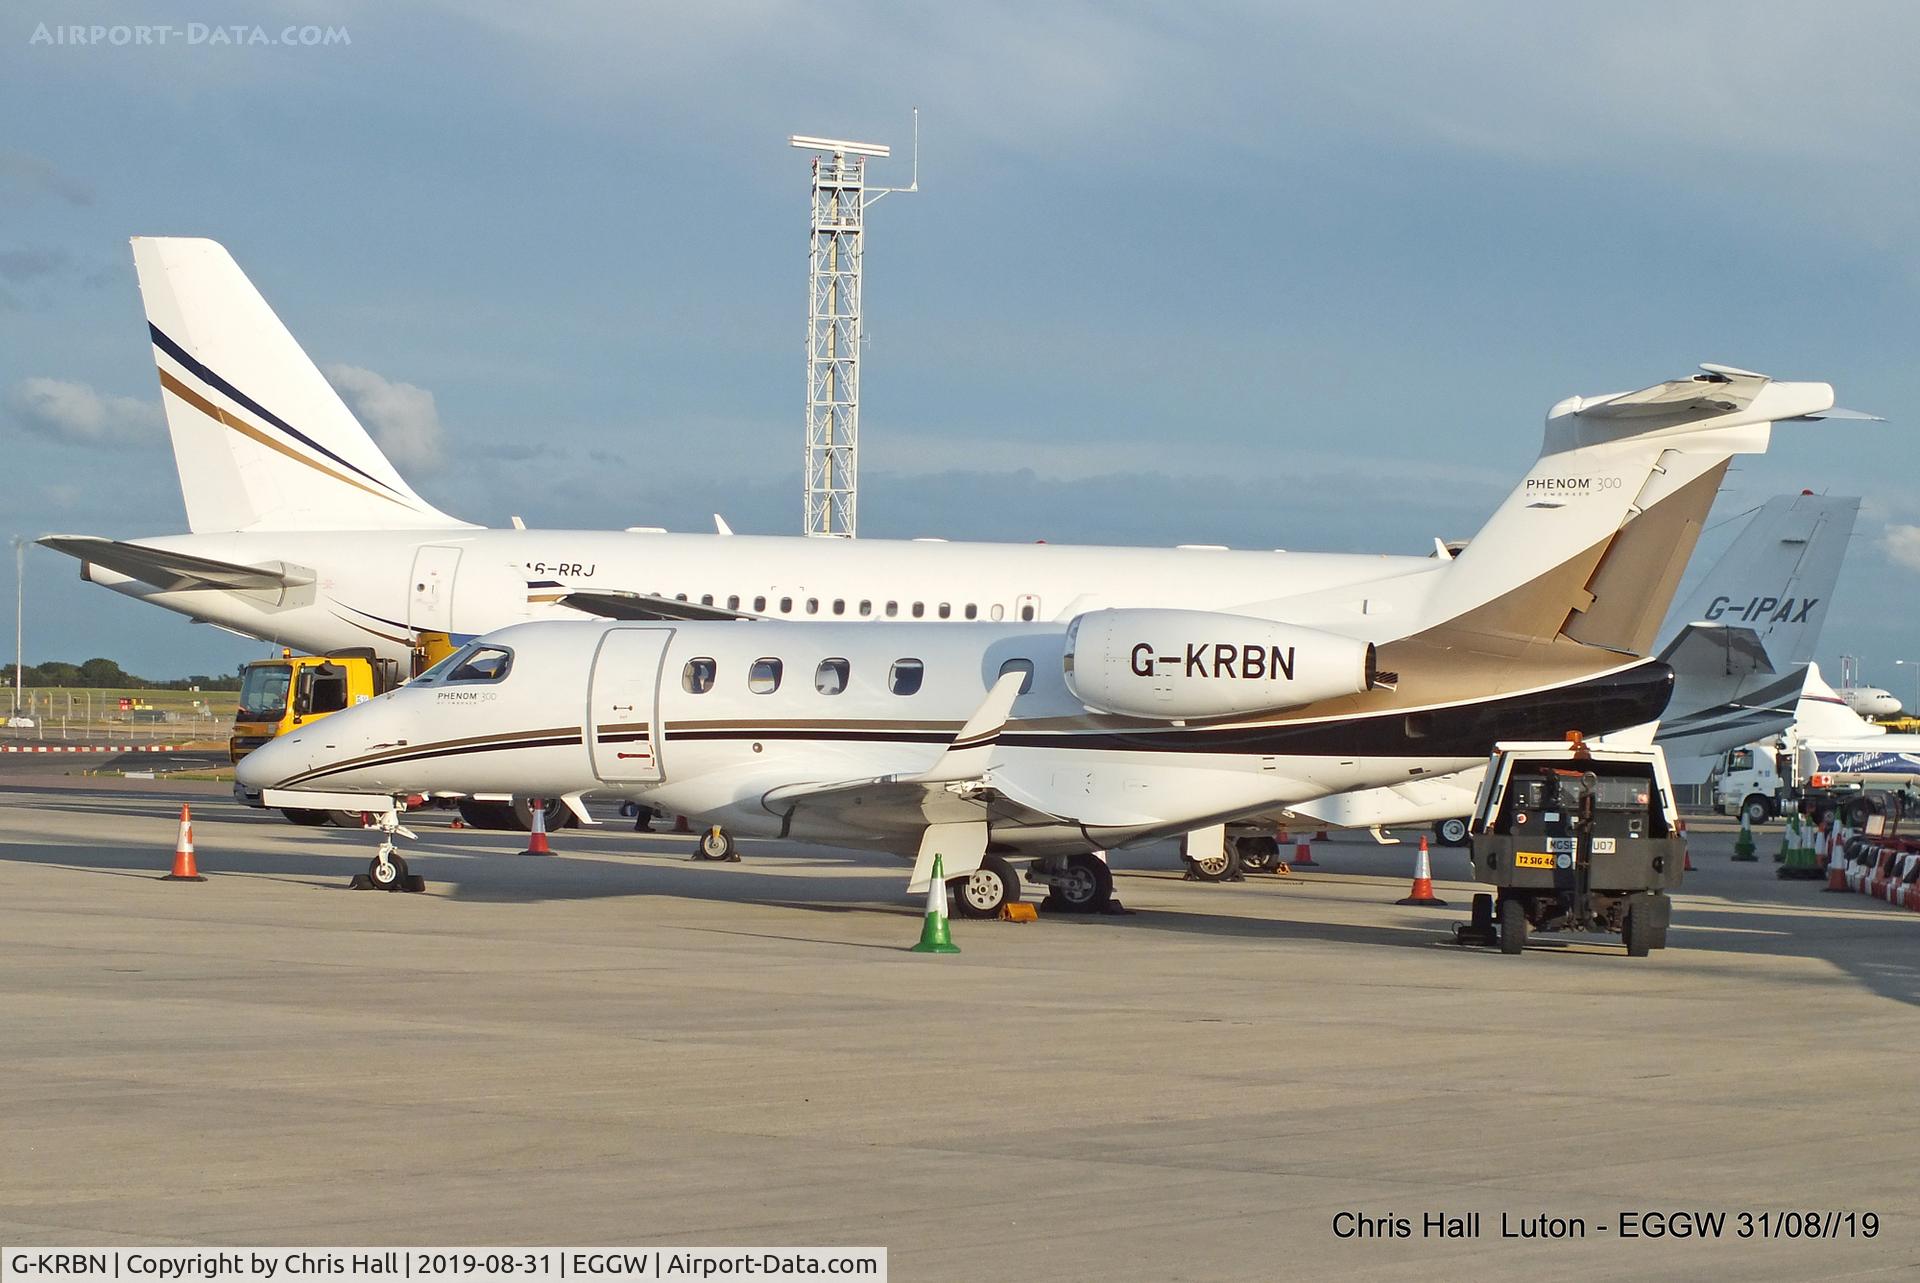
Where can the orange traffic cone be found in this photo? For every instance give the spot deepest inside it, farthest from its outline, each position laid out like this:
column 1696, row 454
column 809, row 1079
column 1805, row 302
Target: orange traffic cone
column 1422, row 893
column 1321, row 836
column 537, row 840
column 680, row 824
column 184, row 868
column 1837, row 875
column 1303, row 856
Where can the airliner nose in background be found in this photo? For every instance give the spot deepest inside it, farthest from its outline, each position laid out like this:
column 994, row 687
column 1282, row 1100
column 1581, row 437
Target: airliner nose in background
column 304, row 533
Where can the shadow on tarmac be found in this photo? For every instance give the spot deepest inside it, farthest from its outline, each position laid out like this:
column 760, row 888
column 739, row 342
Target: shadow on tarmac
column 1870, row 943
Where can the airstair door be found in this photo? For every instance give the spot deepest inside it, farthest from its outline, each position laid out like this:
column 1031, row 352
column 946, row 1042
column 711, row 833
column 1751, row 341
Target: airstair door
column 623, row 725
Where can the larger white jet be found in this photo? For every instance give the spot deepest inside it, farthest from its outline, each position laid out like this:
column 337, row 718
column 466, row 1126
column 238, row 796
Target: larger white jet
column 1052, row 740
column 304, row 534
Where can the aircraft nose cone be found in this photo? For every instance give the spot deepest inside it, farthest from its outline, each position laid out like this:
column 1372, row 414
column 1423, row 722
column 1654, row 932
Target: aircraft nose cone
column 271, row 763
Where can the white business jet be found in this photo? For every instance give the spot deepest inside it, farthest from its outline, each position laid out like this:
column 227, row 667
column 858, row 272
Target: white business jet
column 1739, row 645
column 305, row 535
column 1050, row 740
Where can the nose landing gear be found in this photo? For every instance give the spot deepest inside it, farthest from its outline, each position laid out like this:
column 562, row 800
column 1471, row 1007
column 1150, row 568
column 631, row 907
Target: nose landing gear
column 387, row 871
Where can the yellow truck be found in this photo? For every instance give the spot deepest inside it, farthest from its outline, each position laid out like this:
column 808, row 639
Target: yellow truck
column 278, row 695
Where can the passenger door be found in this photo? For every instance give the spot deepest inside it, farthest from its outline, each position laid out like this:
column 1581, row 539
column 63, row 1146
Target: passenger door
column 430, row 593
column 623, row 703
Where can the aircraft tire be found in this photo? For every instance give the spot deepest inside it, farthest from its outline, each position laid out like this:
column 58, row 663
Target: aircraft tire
column 1224, row 867
column 1451, row 831
column 346, row 819
column 716, row 844
column 305, row 817
column 1088, row 889
column 394, row 882
column 485, row 815
column 985, row 891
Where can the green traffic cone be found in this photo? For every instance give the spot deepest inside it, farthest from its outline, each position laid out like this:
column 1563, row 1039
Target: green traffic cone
column 1743, row 845
column 1789, row 840
column 935, row 937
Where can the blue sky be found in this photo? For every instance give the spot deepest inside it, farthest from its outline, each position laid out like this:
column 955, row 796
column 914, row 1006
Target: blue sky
column 1293, row 275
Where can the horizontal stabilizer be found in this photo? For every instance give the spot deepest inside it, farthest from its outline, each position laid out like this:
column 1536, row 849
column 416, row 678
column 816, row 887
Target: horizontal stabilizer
column 1717, row 650
column 635, row 607
column 176, row 571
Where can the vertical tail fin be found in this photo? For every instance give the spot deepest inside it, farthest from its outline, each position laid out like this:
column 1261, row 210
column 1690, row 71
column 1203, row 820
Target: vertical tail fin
column 260, row 438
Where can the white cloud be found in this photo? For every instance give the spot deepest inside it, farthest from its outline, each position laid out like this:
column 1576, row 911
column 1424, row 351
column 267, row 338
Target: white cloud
column 402, row 417
column 1903, row 545
column 79, row 413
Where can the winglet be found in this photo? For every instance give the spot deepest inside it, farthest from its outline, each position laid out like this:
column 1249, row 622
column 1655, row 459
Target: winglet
column 967, row 756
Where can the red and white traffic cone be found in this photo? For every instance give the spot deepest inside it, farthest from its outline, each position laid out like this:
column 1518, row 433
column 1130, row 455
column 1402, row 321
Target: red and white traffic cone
column 184, row 867
column 537, row 839
column 680, row 824
column 1303, row 856
column 1422, row 893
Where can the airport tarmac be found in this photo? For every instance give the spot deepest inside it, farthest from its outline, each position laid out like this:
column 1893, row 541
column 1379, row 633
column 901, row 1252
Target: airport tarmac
column 619, row 1046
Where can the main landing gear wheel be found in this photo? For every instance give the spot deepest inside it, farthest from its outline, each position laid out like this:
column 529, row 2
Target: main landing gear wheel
column 717, row 844
column 347, row 819
column 307, row 819
column 1513, row 926
column 985, row 891
column 1256, row 854
column 1451, row 832
column 389, row 874
column 1086, row 886
column 1223, row 866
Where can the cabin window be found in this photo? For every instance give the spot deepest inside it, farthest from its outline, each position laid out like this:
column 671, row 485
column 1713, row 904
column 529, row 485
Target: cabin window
column 764, row 677
column 973, row 611
column 905, row 676
column 1022, row 666
column 831, row 677
column 760, row 605
column 482, row 664
column 1026, row 612
column 866, row 608
column 999, row 612
column 946, row 611
column 706, row 599
column 786, row 605
column 697, row 677
column 680, row 596
column 733, row 603
column 839, row 606
column 919, row 609
column 893, row 608
column 813, row 605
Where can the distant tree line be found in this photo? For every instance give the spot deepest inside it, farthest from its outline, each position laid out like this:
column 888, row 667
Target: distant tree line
column 104, row 674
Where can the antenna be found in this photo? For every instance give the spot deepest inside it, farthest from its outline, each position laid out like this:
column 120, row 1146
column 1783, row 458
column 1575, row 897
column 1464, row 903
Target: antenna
column 835, row 249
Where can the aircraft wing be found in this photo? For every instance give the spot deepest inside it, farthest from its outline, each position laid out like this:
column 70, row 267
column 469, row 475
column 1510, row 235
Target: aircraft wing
column 634, row 606
column 951, row 790
column 176, row 571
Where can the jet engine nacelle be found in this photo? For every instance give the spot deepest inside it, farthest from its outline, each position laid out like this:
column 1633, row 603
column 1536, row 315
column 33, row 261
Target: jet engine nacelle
column 1181, row 664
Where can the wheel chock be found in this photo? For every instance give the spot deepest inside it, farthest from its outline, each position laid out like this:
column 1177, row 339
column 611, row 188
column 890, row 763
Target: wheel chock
column 1280, row 869
column 1020, row 911
column 412, row 884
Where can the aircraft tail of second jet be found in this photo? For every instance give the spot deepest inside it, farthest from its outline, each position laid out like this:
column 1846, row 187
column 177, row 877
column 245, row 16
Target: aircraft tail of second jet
column 262, row 441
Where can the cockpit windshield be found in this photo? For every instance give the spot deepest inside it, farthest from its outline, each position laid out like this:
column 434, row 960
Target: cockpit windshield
column 474, row 662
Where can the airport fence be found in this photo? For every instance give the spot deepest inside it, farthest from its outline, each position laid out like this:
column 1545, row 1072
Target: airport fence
column 87, row 715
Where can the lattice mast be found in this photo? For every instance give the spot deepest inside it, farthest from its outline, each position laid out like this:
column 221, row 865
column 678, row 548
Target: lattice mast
column 836, row 245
